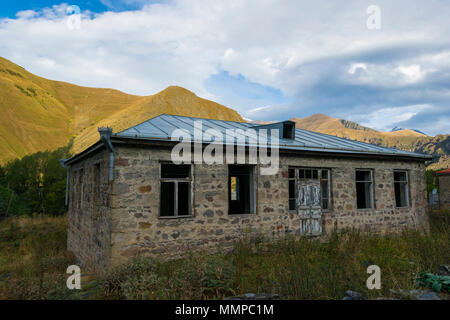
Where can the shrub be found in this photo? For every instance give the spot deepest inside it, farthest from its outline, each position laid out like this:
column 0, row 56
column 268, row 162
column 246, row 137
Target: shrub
column 113, row 281
column 196, row 277
column 436, row 282
column 147, row 286
column 206, row 276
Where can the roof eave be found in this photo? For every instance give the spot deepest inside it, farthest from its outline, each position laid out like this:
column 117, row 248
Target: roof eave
column 416, row 156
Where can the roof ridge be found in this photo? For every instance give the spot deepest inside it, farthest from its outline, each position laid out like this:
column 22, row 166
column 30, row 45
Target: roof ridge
column 305, row 139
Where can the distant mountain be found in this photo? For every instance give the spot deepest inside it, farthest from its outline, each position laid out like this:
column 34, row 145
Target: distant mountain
column 398, row 129
column 404, row 139
column 37, row 114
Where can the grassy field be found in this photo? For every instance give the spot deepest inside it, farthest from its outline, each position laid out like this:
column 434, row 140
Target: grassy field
column 33, row 261
column 33, row 258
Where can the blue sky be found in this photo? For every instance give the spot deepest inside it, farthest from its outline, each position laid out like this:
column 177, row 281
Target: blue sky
column 10, row 8
column 268, row 59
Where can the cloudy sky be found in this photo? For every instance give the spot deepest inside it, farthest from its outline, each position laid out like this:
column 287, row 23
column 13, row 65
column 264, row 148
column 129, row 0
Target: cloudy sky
column 268, row 59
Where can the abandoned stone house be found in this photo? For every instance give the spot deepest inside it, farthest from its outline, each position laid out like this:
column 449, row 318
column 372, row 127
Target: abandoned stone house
column 125, row 195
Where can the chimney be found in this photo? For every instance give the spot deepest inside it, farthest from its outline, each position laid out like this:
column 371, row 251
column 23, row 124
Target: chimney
column 286, row 128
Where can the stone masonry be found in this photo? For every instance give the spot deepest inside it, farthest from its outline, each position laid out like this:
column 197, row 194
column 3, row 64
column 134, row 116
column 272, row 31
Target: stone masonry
column 125, row 219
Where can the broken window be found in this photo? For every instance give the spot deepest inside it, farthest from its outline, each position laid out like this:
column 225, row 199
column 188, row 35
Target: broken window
column 175, row 191
column 401, row 188
column 241, row 195
column 364, row 189
column 297, row 174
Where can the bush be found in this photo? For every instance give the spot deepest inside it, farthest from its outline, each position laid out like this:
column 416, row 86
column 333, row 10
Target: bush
column 46, row 287
column 113, row 282
column 196, row 277
column 147, row 286
column 206, row 276
column 436, row 282
column 33, row 259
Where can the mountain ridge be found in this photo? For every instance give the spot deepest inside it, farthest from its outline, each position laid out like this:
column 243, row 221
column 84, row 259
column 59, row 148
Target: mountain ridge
column 404, row 139
column 37, row 114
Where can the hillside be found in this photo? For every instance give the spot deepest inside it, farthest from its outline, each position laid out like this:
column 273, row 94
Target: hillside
column 404, row 139
column 37, row 114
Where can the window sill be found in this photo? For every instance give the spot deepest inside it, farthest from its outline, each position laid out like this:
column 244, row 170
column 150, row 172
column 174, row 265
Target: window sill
column 323, row 210
column 241, row 214
column 175, row 217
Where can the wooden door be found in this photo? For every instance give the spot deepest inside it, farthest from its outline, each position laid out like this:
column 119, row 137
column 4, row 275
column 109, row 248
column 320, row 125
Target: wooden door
column 309, row 207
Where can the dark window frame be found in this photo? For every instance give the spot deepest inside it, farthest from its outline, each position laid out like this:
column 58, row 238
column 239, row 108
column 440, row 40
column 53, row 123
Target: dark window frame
column 406, row 186
column 252, row 185
column 372, row 189
column 314, row 173
column 176, row 181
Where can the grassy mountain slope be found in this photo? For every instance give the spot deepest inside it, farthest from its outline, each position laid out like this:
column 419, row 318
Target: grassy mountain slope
column 405, row 139
column 37, row 114
column 172, row 100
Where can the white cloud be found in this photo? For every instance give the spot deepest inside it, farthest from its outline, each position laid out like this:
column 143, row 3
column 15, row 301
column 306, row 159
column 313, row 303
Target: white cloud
column 413, row 73
column 47, row 63
column 288, row 45
column 385, row 119
column 356, row 66
column 26, row 14
column 259, row 109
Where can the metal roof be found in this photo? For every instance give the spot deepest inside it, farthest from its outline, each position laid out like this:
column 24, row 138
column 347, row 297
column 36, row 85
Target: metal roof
column 161, row 127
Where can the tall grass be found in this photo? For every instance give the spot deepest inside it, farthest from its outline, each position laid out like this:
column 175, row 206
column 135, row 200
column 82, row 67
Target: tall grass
column 294, row 268
column 309, row 269
column 33, row 258
column 33, row 261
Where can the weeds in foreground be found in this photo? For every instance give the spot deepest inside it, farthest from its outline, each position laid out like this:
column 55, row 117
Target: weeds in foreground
column 33, row 258
column 196, row 277
column 33, row 261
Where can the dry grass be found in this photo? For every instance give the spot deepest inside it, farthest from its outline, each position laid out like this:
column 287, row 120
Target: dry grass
column 33, row 258
column 293, row 268
column 39, row 114
column 33, row 261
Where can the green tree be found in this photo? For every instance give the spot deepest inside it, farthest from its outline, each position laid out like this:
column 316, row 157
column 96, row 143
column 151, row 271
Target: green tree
column 37, row 183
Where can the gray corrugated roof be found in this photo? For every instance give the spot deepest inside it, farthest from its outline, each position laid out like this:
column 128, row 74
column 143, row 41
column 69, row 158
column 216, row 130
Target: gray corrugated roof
column 162, row 126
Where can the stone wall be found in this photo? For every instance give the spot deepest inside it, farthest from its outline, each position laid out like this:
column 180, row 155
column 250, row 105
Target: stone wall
column 89, row 215
column 444, row 190
column 136, row 227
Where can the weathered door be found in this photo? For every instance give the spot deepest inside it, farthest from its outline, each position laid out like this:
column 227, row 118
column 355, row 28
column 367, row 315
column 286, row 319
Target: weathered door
column 309, row 208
